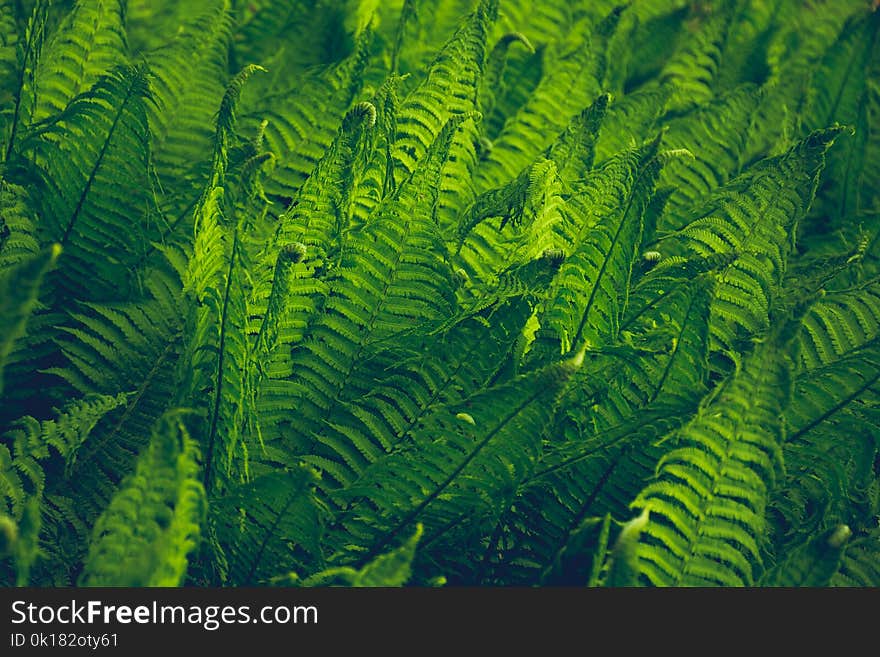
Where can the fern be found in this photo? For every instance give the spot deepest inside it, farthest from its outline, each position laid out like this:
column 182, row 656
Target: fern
column 87, row 45
column 92, row 168
column 153, row 522
column 485, row 292
column 19, row 285
column 708, row 501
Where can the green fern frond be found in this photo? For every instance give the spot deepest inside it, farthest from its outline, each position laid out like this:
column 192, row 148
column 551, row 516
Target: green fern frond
column 267, row 526
column 88, row 45
column 496, row 63
column 711, row 490
column 217, row 349
column 839, row 323
column 20, row 58
column 721, row 129
column 92, row 162
column 754, row 216
column 602, row 230
column 18, row 239
column 441, row 471
column 450, row 88
column 839, row 94
column 391, row 569
column 185, row 103
column 692, row 70
column 630, row 121
column 660, row 28
column 154, row 521
column 604, row 438
column 19, row 292
column 391, row 275
column 573, row 151
column 571, row 80
column 831, row 430
column 303, row 116
column 405, row 386
column 859, row 566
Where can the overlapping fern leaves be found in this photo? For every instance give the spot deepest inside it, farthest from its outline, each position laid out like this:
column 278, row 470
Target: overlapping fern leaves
column 480, row 292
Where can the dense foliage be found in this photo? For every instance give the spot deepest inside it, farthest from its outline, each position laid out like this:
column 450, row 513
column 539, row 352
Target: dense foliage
column 373, row 293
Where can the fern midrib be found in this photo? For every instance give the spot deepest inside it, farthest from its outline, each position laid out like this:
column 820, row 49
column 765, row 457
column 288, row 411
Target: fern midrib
column 16, row 113
column 414, row 513
column 94, row 172
column 565, row 463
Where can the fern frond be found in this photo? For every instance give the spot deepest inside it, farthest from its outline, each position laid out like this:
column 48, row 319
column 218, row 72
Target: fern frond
column 391, row 275
column 839, row 94
column 185, row 103
column 450, row 88
column 20, row 57
column 154, row 521
column 754, row 216
column 303, row 116
column 708, row 501
column 603, row 441
column 692, row 70
column 18, row 239
column 838, row 323
column 391, row 569
column 442, row 473
column 602, row 230
column 217, row 349
column 88, row 45
column 19, row 291
column 717, row 133
column 422, row 370
column 571, row 80
column 496, row 63
column 92, row 163
column 527, row 202
column 859, row 566
column 812, row 564
column 830, row 447
column 630, row 121
column 267, row 526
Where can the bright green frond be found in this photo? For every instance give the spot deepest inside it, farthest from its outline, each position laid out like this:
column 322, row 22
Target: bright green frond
column 754, row 217
column 89, row 44
column 154, row 521
column 711, row 490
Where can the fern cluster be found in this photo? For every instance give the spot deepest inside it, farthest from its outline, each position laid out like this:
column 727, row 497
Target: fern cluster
column 477, row 292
